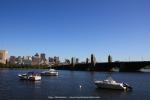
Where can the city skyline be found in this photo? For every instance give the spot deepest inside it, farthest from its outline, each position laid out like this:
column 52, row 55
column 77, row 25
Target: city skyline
column 76, row 28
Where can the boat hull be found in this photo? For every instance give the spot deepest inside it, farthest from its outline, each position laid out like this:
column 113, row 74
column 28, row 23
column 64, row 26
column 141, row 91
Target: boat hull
column 30, row 77
column 49, row 74
column 36, row 78
column 110, row 86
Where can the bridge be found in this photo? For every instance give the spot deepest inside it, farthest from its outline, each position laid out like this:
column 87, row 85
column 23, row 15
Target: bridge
column 130, row 66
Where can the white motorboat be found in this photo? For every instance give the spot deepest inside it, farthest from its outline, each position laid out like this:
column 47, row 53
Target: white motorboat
column 30, row 76
column 50, row 72
column 109, row 83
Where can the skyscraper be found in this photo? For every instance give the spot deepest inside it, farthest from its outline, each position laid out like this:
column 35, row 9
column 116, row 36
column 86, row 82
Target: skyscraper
column 43, row 59
column 43, row 56
column 3, row 56
column 87, row 60
column 36, row 59
column 51, row 60
column 73, row 61
column 93, row 60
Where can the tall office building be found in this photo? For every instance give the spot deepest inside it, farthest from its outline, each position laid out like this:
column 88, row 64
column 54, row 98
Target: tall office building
column 37, row 55
column 87, row 60
column 56, row 60
column 51, row 60
column 93, row 60
column 43, row 56
column 3, row 56
column 67, row 61
column 12, row 60
column 36, row 59
column 73, row 61
column 77, row 60
column 43, row 59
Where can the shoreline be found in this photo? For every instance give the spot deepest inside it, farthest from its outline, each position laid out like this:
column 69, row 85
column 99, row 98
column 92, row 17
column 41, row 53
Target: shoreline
column 67, row 67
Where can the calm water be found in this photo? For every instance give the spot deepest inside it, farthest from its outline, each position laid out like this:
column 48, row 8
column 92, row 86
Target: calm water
column 67, row 85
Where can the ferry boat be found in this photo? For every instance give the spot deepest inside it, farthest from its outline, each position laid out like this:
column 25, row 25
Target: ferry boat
column 109, row 83
column 50, row 72
column 30, row 76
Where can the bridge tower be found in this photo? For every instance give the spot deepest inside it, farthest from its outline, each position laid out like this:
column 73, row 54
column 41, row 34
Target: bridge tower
column 109, row 59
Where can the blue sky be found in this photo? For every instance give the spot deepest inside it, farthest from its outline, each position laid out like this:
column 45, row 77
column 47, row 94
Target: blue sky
column 77, row 28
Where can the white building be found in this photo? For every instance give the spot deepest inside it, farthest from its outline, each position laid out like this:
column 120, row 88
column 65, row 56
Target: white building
column 27, row 60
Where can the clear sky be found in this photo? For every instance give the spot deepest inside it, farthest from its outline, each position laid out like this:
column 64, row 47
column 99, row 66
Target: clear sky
column 77, row 28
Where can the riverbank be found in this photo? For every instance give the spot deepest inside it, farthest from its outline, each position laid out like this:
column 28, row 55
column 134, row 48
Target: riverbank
column 23, row 66
column 78, row 67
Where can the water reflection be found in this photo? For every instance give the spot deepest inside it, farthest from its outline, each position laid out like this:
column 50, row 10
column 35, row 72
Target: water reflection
column 110, row 94
column 30, row 82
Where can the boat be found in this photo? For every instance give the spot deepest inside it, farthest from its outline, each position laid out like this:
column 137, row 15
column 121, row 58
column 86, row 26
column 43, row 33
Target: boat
column 30, row 76
column 109, row 83
column 50, row 72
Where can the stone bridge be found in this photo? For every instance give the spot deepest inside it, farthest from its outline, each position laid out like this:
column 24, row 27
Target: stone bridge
column 105, row 66
column 131, row 66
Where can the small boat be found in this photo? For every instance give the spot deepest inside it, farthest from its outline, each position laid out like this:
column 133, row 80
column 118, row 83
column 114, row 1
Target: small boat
column 109, row 83
column 50, row 72
column 30, row 76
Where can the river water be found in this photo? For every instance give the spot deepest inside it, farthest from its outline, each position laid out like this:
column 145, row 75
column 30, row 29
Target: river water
column 72, row 85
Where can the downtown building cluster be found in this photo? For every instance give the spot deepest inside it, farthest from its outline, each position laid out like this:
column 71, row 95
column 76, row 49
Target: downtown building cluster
column 37, row 59
column 40, row 59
